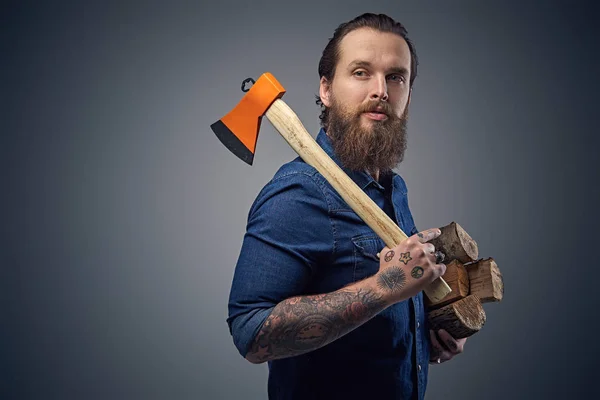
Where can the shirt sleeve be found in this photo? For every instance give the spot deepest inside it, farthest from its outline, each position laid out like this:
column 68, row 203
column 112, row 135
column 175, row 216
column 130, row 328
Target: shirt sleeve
column 288, row 235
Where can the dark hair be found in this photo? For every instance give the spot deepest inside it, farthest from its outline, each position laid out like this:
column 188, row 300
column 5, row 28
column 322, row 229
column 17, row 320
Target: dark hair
column 331, row 53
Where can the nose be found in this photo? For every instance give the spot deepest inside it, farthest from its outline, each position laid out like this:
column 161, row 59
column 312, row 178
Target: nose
column 379, row 89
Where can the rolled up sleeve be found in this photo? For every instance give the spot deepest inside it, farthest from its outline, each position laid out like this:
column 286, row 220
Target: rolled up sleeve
column 288, row 235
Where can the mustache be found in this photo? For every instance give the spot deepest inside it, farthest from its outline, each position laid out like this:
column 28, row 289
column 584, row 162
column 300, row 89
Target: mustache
column 376, row 106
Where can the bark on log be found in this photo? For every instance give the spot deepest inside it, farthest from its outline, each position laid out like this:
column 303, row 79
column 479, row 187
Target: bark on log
column 456, row 244
column 458, row 279
column 485, row 280
column 460, row 319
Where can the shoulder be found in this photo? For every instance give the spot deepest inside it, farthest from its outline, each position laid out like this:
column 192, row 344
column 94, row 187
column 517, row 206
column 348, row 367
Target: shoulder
column 297, row 169
column 295, row 184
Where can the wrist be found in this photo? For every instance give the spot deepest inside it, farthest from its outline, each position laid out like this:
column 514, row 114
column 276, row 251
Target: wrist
column 385, row 295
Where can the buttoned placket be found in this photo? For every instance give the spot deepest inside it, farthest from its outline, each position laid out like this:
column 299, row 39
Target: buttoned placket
column 416, row 305
column 416, row 302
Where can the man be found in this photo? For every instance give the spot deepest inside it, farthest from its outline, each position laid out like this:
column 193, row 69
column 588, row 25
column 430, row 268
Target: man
column 311, row 294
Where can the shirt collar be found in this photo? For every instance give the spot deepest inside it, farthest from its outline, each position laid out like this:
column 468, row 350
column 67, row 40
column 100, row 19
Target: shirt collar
column 361, row 178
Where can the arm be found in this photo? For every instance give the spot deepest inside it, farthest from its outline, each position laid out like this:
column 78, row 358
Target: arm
column 305, row 323
column 289, row 237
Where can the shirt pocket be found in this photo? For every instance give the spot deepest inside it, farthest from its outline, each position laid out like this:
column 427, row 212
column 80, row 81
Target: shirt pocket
column 365, row 258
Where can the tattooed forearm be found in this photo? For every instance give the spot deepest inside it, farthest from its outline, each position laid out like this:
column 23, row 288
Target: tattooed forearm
column 301, row 324
column 392, row 279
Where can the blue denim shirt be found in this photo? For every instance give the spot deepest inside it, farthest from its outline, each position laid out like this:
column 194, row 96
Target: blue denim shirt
column 302, row 238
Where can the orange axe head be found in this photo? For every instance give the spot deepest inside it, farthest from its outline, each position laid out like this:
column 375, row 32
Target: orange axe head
column 238, row 130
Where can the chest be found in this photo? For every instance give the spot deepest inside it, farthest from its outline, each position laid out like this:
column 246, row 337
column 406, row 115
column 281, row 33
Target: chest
column 355, row 246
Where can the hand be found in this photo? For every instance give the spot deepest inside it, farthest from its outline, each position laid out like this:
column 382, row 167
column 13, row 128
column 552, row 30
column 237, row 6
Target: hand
column 408, row 268
column 444, row 347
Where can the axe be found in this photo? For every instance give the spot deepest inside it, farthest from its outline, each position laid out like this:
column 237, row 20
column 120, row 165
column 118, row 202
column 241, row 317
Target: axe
column 238, row 131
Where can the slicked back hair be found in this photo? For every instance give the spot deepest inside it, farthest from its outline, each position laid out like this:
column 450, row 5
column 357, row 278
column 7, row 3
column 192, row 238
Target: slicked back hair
column 331, row 53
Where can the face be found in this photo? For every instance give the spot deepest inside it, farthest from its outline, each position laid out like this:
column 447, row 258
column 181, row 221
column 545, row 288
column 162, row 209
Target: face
column 368, row 100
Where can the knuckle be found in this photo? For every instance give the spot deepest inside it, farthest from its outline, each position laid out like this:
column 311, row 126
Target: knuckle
column 442, row 269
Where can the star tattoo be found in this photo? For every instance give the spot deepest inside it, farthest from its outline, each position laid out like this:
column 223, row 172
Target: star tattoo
column 405, row 257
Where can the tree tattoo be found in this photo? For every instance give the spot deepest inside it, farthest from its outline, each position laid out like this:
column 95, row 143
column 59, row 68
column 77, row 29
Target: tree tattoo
column 405, row 257
column 392, row 279
column 389, row 255
column 417, row 272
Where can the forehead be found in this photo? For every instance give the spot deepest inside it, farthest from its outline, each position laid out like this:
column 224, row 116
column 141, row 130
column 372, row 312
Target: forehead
column 381, row 48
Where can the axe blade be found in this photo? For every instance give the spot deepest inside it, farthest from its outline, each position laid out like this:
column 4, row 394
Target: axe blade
column 235, row 145
column 238, row 130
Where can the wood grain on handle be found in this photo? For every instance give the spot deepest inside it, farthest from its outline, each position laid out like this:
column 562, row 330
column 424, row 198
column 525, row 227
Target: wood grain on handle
column 291, row 128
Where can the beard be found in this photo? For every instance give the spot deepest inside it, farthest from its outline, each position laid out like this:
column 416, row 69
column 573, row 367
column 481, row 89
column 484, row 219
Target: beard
column 378, row 147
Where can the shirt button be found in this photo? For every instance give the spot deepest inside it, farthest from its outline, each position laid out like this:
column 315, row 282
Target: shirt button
column 418, row 324
column 419, row 367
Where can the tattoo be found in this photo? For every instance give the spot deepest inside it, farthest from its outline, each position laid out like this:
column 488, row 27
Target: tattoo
column 452, row 345
column 417, row 272
column 405, row 257
column 389, row 255
column 420, row 235
column 301, row 324
column 392, row 279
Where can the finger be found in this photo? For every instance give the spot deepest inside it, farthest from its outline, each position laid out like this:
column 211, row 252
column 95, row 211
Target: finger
column 437, row 343
column 455, row 346
column 428, row 235
column 438, row 270
column 440, row 351
column 429, row 249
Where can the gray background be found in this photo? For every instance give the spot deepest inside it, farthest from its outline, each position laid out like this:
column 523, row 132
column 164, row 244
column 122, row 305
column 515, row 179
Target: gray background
column 123, row 215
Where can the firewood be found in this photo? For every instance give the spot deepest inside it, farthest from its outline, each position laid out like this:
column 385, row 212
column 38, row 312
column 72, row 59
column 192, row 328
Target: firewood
column 485, row 280
column 458, row 279
column 456, row 244
column 460, row 319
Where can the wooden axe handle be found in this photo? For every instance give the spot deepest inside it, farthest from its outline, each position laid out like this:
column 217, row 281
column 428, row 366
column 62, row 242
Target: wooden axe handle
column 285, row 120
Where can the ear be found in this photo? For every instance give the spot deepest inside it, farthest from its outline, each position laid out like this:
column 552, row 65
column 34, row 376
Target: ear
column 408, row 100
column 325, row 92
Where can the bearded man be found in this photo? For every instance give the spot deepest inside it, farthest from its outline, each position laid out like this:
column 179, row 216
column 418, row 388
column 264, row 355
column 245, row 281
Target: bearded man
column 310, row 293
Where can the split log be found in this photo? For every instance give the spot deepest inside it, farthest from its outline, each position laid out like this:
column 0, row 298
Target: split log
column 456, row 244
column 460, row 319
column 458, row 279
column 485, row 280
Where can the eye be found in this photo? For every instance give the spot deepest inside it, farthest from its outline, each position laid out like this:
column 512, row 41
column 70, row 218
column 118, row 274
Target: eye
column 360, row 73
column 397, row 78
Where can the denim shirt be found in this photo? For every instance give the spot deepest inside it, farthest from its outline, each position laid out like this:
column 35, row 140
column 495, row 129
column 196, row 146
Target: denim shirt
column 301, row 239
